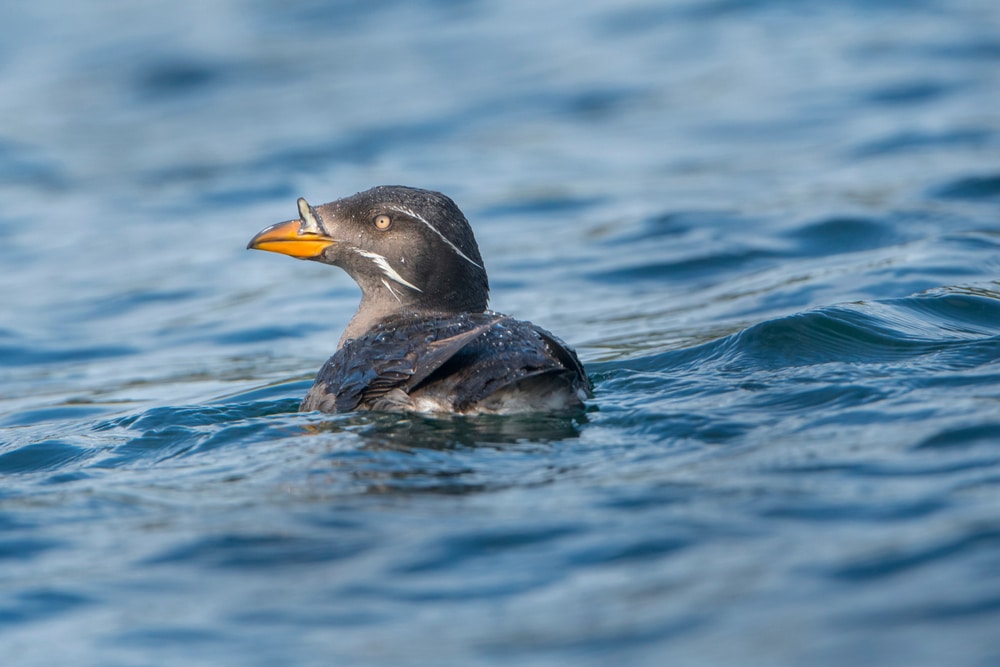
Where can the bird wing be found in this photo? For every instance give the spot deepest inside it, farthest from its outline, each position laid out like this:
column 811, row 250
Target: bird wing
column 440, row 351
column 567, row 357
column 391, row 360
column 503, row 355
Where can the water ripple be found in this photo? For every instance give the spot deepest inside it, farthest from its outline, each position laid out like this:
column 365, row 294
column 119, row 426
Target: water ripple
column 772, row 235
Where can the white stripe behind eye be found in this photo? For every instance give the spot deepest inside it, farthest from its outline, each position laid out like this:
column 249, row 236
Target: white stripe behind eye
column 383, row 264
column 415, row 216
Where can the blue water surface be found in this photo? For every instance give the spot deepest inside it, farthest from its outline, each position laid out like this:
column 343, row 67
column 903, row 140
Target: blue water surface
column 771, row 229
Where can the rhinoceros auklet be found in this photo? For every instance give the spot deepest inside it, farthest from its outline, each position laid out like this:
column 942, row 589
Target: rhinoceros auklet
column 422, row 339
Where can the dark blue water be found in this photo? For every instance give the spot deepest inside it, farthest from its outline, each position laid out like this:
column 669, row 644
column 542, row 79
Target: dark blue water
column 771, row 229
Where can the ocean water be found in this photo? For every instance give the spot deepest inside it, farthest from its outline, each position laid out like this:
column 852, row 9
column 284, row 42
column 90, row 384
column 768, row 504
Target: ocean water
column 770, row 228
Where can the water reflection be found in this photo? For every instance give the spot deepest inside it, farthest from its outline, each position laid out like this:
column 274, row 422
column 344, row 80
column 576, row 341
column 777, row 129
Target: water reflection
column 392, row 454
column 405, row 432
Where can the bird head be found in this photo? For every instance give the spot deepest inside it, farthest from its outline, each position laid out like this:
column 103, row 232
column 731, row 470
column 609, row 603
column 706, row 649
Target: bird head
column 409, row 250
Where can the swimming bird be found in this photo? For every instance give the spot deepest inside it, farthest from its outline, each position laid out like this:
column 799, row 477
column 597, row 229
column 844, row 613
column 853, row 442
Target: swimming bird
column 422, row 339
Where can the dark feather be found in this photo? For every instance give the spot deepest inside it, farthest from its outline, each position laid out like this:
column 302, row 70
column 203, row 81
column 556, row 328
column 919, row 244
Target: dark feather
column 462, row 360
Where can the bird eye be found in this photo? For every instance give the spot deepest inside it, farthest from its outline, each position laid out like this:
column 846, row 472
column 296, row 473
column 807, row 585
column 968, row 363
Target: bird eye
column 382, row 222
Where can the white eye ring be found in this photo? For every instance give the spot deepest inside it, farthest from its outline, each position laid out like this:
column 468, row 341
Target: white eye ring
column 382, row 222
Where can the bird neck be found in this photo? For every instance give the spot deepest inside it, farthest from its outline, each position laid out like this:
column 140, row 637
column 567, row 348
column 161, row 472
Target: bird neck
column 379, row 304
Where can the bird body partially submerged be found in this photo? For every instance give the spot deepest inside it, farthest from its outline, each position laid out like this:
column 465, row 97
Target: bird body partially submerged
column 422, row 339
column 468, row 363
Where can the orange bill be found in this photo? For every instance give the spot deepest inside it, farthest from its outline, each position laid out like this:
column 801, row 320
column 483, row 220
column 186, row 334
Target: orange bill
column 289, row 239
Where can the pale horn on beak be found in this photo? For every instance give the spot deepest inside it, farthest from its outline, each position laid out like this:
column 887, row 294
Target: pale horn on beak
column 303, row 238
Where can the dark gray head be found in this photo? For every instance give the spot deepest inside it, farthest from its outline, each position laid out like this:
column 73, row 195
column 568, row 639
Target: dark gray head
column 409, row 250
